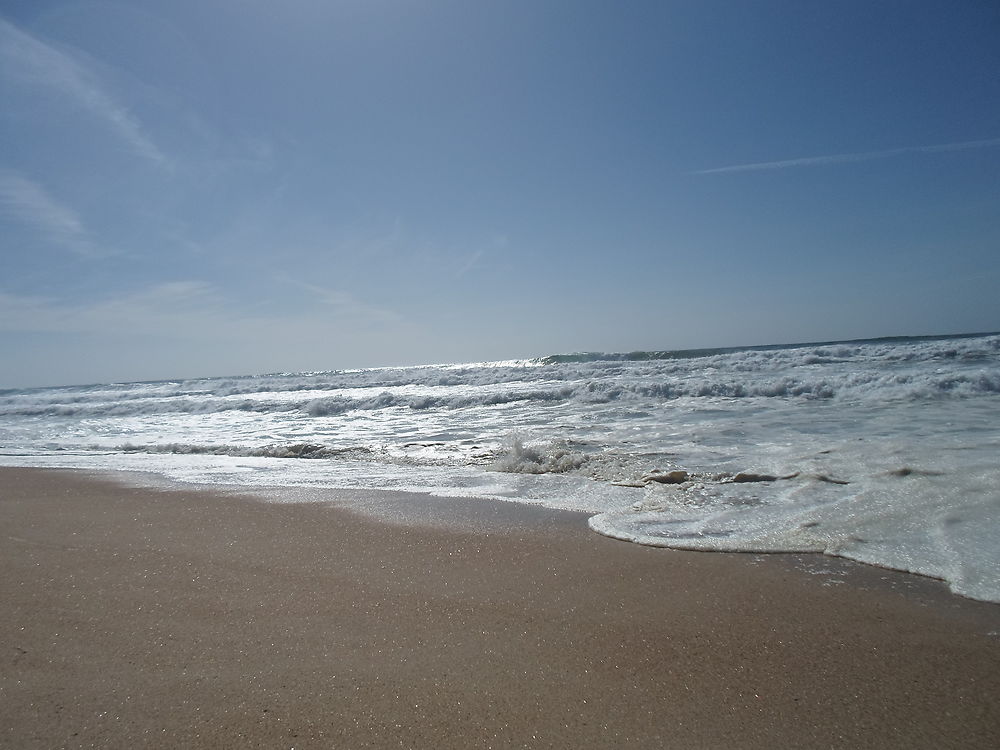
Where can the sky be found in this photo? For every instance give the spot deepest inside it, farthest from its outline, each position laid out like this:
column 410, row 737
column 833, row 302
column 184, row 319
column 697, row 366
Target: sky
column 193, row 188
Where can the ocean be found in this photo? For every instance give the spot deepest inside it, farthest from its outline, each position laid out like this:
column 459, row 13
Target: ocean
column 884, row 451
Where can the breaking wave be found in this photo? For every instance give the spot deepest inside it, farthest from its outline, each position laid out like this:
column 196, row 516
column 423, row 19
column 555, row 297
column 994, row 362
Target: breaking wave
column 294, row 450
column 554, row 458
column 822, row 351
column 597, row 390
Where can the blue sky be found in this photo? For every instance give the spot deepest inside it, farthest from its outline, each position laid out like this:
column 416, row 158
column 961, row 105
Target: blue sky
column 240, row 186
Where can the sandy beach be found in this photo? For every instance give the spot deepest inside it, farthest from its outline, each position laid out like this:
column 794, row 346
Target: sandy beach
column 181, row 618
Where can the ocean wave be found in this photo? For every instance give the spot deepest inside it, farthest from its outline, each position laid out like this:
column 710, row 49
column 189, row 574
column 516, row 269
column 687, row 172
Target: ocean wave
column 551, row 458
column 851, row 385
column 961, row 345
column 292, row 450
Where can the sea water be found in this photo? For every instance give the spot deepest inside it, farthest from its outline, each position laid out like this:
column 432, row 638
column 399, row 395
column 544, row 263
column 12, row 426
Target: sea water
column 883, row 451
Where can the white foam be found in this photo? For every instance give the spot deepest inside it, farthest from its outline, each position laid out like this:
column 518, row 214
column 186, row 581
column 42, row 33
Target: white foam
column 938, row 518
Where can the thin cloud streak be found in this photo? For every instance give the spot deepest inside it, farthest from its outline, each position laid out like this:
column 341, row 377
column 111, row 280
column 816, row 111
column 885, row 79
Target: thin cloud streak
column 24, row 56
column 470, row 261
column 29, row 203
column 818, row 161
column 183, row 308
column 345, row 304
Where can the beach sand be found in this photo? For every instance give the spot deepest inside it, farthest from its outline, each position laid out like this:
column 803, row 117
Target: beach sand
column 181, row 618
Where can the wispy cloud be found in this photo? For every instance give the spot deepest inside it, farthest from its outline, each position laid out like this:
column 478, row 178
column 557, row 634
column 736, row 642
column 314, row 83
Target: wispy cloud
column 29, row 59
column 189, row 327
column 469, row 262
column 344, row 304
column 195, row 310
column 819, row 161
column 184, row 308
column 29, row 203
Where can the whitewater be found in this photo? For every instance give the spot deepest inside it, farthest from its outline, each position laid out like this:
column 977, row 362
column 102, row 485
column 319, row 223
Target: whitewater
column 884, row 451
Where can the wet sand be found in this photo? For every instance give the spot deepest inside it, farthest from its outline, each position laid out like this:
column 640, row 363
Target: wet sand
column 180, row 618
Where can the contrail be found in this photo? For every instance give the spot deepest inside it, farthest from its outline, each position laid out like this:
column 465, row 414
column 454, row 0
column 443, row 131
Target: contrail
column 816, row 161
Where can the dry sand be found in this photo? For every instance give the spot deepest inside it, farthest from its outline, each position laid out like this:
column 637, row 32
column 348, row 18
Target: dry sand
column 178, row 618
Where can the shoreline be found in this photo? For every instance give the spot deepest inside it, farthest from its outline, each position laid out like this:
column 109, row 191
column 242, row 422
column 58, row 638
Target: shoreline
column 425, row 509
column 480, row 514
column 179, row 616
